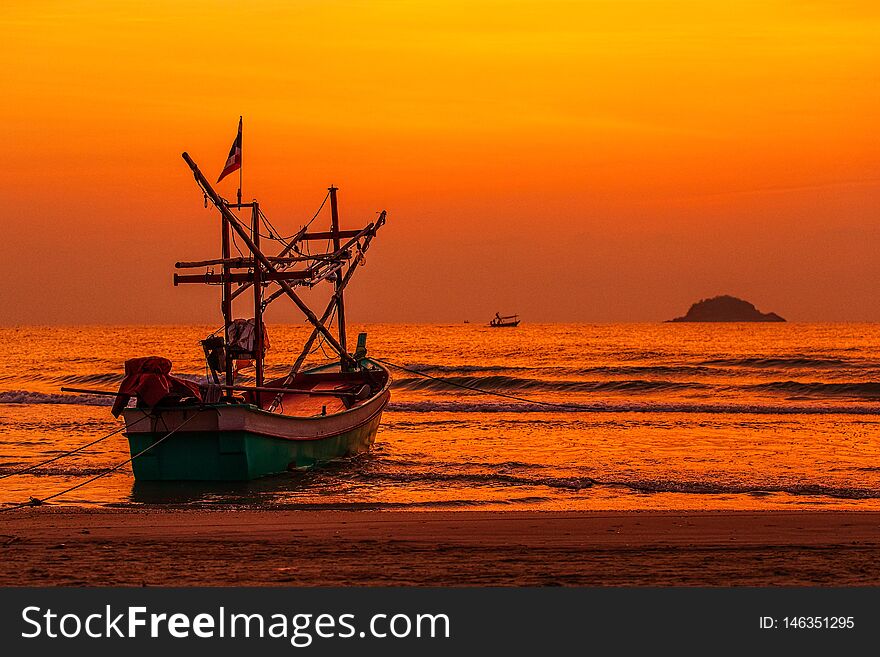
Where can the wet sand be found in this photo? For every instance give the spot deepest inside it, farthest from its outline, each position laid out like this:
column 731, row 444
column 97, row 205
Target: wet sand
column 74, row 547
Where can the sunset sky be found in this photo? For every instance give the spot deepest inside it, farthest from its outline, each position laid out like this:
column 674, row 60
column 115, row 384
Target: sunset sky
column 593, row 160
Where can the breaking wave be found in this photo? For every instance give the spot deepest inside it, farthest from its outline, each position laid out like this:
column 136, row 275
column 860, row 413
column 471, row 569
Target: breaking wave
column 479, row 479
column 56, row 471
column 534, row 407
column 464, row 369
column 581, row 483
column 612, row 370
column 801, row 361
column 500, row 382
column 28, row 397
column 626, row 370
column 108, row 377
column 866, row 389
column 710, row 488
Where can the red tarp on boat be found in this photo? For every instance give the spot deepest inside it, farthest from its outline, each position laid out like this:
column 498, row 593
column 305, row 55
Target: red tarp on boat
column 150, row 379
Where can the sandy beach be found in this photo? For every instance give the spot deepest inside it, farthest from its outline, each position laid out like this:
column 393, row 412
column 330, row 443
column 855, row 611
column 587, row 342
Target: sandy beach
column 76, row 547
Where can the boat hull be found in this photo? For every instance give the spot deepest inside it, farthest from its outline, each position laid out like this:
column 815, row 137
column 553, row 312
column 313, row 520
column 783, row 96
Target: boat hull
column 243, row 442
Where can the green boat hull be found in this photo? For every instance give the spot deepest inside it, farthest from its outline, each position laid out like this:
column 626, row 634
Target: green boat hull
column 239, row 455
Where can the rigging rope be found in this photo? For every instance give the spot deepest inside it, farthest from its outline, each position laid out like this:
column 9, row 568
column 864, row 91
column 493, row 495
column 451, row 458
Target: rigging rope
column 73, row 451
column 235, row 244
column 483, row 391
column 322, row 340
column 36, row 502
column 284, row 240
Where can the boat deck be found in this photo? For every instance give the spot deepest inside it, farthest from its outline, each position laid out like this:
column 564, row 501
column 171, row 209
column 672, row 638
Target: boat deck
column 305, row 405
column 312, row 403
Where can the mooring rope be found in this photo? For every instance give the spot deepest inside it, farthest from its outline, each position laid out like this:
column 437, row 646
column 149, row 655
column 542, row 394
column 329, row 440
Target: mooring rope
column 36, row 502
column 73, row 451
column 483, row 391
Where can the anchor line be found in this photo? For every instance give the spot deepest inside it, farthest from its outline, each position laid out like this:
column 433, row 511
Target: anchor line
column 73, row 451
column 36, row 502
column 480, row 390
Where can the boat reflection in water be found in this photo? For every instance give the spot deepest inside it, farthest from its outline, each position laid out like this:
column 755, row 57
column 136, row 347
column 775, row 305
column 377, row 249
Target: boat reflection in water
column 278, row 491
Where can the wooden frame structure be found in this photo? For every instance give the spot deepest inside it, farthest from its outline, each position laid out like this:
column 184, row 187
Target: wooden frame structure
column 258, row 272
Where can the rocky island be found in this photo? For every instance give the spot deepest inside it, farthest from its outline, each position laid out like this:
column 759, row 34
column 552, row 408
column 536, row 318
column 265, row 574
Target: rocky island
column 726, row 309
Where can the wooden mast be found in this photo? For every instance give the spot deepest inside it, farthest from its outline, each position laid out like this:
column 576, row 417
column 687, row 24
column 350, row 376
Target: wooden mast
column 340, row 304
column 270, row 269
column 258, row 302
column 226, row 303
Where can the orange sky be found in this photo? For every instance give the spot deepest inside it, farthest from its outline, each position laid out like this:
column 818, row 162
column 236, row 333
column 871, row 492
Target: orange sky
column 605, row 160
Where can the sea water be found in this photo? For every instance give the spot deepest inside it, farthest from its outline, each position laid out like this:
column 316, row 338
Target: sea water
column 646, row 416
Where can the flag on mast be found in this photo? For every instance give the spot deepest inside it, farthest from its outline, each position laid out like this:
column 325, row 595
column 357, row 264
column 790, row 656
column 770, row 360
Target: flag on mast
column 233, row 162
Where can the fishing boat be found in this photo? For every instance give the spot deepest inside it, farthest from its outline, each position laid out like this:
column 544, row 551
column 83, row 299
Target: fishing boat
column 223, row 430
column 504, row 321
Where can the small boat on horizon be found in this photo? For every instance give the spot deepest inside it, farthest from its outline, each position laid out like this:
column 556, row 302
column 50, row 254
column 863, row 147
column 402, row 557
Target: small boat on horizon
column 504, row 321
column 224, row 431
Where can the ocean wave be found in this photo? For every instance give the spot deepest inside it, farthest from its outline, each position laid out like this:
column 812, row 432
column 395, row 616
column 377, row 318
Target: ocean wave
column 465, row 369
column 612, row 370
column 70, row 471
column 478, row 479
column 646, row 486
column 535, row 407
column 87, row 379
column 865, row 389
column 500, row 382
column 373, row 505
column 862, row 391
column 796, row 362
column 450, row 465
column 711, row 488
column 107, row 377
column 626, row 370
column 29, row 397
